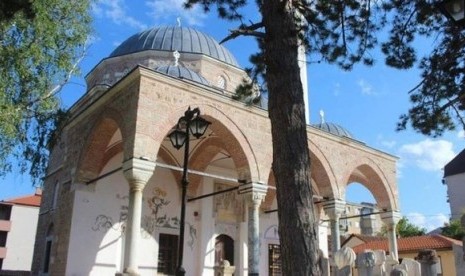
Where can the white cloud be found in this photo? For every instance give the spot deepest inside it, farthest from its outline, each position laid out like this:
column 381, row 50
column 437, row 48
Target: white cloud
column 429, row 155
column 115, row 11
column 430, row 223
column 366, row 88
column 170, row 9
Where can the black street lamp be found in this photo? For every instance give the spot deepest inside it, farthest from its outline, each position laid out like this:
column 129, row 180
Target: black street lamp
column 191, row 122
column 454, row 10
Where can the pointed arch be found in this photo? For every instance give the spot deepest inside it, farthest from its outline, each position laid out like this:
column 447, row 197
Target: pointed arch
column 94, row 153
column 322, row 172
column 368, row 173
column 227, row 135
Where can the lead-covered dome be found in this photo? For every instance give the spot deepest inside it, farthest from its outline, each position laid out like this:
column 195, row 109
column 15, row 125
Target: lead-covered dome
column 182, row 73
column 182, row 39
column 333, row 129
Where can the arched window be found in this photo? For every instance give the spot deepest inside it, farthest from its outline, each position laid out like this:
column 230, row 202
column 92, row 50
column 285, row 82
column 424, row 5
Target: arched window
column 221, row 82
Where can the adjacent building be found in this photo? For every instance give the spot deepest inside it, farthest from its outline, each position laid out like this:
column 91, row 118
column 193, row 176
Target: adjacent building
column 18, row 224
column 112, row 194
column 361, row 218
column 454, row 178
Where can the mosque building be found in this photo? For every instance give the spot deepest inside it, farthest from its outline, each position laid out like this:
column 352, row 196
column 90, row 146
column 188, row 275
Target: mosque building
column 112, row 197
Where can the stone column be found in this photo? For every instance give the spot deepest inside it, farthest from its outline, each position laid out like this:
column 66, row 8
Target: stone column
column 390, row 219
column 253, row 193
column 334, row 209
column 137, row 173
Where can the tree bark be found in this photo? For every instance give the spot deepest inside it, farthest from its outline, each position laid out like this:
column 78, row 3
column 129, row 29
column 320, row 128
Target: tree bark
column 291, row 159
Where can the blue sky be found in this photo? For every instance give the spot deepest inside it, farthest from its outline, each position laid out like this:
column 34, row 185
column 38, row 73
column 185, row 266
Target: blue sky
column 367, row 101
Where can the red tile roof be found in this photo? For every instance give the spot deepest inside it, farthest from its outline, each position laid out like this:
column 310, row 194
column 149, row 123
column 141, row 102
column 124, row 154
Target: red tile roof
column 30, row 200
column 410, row 244
column 364, row 238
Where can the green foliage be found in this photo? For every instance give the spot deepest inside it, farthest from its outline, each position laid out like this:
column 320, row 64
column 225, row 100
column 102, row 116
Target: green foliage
column 41, row 42
column 406, row 229
column 344, row 32
column 453, row 230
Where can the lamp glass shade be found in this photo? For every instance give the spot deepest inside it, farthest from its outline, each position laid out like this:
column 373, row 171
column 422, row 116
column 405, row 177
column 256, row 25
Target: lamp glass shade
column 198, row 126
column 455, row 9
column 177, row 138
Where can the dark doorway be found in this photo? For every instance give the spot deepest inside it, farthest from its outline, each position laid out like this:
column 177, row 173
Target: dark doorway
column 167, row 254
column 224, row 249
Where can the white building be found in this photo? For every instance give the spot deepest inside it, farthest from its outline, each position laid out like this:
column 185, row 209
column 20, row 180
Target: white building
column 454, row 178
column 18, row 224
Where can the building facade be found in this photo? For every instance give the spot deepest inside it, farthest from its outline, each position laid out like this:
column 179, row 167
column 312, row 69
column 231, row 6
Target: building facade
column 18, row 221
column 454, row 178
column 112, row 196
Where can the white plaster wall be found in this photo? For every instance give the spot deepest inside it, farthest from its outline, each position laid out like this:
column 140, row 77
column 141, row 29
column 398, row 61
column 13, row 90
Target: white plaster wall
column 456, row 194
column 206, row 241
column 20, row 239
column 96, row 238
column 97, row 234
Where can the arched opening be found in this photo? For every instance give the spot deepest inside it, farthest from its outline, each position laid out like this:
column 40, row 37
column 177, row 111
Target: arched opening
column 362, row 214
column 224, row 249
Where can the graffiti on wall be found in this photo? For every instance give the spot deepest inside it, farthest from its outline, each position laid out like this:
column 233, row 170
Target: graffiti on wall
column 157, row 217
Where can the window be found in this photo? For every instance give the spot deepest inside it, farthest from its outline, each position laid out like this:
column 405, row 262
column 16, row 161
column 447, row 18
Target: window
column 221, row 82
column 48, row 250
column 439, row 266
column 5, row 212
column 55, row 195
column 274, row 260
column 3, row 235
column 167, row 254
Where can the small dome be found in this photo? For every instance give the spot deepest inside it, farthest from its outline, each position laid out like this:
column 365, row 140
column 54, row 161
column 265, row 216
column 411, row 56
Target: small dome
column 182, row 39
column 182, row 73
column 333, row 129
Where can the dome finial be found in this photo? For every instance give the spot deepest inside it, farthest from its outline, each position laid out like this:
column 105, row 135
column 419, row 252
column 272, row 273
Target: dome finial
column 178, row 21
column 322, row 116
column 176, row 56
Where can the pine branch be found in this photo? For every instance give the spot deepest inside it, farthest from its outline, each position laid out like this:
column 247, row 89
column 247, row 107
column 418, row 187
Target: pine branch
column 243, row 30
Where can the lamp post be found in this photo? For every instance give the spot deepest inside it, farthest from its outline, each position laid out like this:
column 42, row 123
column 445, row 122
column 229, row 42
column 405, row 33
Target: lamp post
column 454, row 10
column 190, row 123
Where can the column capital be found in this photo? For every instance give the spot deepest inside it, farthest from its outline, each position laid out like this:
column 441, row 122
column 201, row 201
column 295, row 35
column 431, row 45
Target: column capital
column 255, row 192
column 138, row 171
column 391, row 217
column 334, row 208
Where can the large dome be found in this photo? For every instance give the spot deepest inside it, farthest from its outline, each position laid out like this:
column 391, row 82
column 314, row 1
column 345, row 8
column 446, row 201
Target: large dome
column 333, row 129
column 182, row 39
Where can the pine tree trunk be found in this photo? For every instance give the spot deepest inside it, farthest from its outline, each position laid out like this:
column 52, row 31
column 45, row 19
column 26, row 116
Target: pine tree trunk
column 291, row 160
